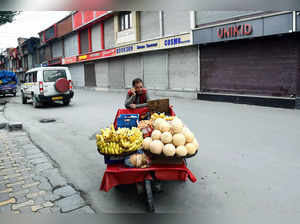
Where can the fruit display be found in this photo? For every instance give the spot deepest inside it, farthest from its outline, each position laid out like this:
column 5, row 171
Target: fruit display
column 155, row 116
column 170, row 138
column 146, row 127
column 116, row 142
column 144, row 124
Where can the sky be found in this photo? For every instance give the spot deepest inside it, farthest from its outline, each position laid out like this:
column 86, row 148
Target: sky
column 28, row 24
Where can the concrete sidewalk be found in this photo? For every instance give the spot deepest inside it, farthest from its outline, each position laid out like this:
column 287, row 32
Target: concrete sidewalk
column 30, row 181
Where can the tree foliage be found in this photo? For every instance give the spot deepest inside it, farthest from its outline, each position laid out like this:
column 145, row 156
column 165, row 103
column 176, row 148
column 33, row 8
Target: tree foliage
column 7, row 16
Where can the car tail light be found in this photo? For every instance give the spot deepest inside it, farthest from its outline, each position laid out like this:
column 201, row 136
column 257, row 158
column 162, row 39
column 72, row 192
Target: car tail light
column 70, row 85
column 41, row 85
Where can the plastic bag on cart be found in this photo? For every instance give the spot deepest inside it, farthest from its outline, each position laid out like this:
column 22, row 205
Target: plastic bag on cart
column 137, row 160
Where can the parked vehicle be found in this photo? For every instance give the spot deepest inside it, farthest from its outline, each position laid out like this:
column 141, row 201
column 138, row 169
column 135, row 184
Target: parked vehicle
column 8, row 83
column 47, row 84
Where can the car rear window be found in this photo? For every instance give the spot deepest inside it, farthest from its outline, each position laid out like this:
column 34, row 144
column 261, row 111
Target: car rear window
column 53, row 75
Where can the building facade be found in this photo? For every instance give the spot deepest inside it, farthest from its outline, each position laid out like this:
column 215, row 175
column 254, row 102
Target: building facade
column 252, row 57
column 235, row 56
column 108, row 50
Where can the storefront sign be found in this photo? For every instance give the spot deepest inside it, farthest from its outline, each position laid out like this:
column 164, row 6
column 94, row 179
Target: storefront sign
column 278, row 24
column 55, row 61
column 97, row 55
column 159, row 44
column 69, row 60
column 235, row 31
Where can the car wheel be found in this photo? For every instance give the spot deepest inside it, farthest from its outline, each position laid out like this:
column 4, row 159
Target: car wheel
column 66, row 102
column 24, row 99
column 35, row 103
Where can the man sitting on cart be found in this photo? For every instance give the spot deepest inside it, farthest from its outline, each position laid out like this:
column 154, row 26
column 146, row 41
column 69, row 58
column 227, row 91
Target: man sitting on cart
column 137, row 96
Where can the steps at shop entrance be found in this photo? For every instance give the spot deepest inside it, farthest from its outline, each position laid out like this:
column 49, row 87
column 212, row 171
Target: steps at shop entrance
column 266, row 101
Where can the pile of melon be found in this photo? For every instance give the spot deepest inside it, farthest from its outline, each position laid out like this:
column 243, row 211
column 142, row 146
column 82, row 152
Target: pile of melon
column 171, row 138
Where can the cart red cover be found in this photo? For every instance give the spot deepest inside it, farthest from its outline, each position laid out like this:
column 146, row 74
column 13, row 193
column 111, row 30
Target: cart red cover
column 119, row 174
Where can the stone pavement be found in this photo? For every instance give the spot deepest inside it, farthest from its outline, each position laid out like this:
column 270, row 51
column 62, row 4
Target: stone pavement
column 30, row 181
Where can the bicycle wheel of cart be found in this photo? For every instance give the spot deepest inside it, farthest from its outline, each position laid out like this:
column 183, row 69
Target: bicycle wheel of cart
column 150, row 201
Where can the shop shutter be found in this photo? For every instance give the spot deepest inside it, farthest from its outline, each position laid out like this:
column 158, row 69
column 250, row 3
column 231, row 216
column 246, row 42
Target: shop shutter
column 259, row 66
column 133, row 69
column 155, row 70
column 116, row 73
column 89, row 74
column 77, row 72
column 101, row 68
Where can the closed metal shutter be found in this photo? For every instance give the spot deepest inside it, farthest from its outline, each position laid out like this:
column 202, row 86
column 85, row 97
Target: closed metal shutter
column 116, row 73
column 77, row 73
column 155, row 70
column 183, row 68
column 89, row 74
column 259, row 66
column 133, row 69
column 101, row 69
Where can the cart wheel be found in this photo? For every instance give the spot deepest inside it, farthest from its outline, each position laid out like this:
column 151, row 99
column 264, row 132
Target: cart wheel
column 150, row 201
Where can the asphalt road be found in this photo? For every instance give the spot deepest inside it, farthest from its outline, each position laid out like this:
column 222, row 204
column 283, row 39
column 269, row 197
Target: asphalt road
column 248, row 166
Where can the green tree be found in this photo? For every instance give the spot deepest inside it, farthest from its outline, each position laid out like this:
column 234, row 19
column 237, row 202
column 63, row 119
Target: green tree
column 7, row 16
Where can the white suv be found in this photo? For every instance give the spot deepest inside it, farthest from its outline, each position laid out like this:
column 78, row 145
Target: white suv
column 47, row 84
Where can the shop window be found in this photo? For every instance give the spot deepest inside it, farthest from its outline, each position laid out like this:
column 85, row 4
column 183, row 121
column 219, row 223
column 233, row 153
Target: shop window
column 125, row 21
column 84, row 41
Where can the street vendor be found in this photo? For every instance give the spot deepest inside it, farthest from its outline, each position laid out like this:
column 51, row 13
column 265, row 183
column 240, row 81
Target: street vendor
column 137, row 96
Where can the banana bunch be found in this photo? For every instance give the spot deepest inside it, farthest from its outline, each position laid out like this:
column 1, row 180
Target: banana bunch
column 162, row 115
column 130, row 139
column 114, row 142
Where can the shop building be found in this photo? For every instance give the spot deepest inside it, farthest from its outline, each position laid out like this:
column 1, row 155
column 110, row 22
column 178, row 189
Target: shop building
column 107, row 50
column 236, row 56
column 253, row 59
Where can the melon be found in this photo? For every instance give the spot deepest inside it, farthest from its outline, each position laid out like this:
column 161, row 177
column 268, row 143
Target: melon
column 196, row 144
column 191, row 148
column 181, row 151
column 164, row 126
column 169, row 150
column 177, row 126
column 178, row 139
column 157, row 123
column 146, row 143
column 156, row 135
column 166, row 137
column 189, row 136
column 156, row 147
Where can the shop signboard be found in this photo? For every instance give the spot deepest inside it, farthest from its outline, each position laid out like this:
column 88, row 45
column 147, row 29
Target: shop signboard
column 69, row 60
column 266, row 26
column 158, row 44
column 97, row 55
column 55, row 61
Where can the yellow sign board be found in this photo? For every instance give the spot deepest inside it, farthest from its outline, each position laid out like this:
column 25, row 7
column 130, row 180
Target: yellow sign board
column 158, row 44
